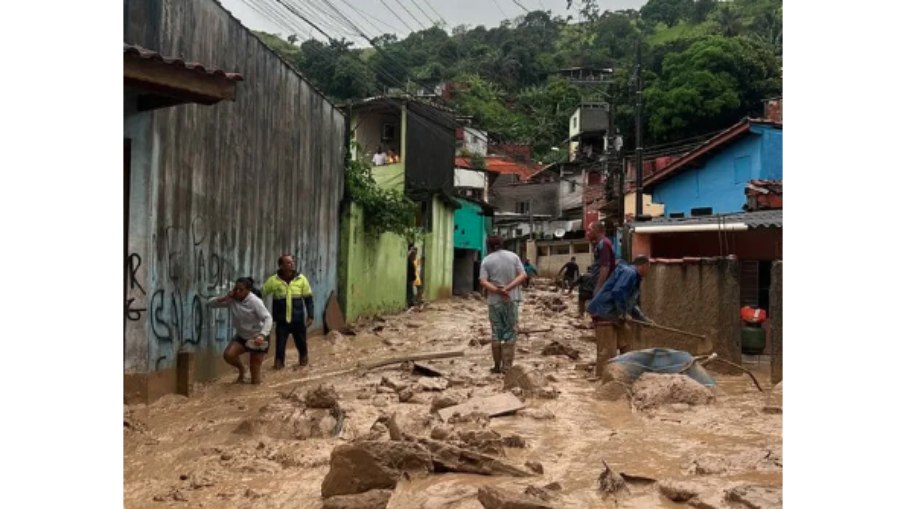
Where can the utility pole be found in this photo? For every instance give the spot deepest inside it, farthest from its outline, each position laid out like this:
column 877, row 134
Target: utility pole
column 638, row 130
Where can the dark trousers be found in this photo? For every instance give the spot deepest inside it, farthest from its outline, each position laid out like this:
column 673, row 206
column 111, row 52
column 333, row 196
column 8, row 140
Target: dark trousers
column 299, row 338
column 410, row 293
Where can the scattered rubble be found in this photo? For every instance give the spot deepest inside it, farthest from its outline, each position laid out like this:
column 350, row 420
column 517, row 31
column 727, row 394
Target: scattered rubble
column 610, row 481
column 523, row 377
column 558, row 348
column 756, row 497
column 535, row 466
column 322, row 396
column 433, row 384
column 678, row 491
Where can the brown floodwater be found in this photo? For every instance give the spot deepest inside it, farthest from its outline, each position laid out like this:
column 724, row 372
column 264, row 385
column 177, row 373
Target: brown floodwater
column 185, row 452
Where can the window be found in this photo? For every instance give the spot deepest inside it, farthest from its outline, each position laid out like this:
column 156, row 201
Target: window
column 575, row 121
column 388, row 133
column 581, row 248
column 560, row 249
column 518, row 232
column 522, row 207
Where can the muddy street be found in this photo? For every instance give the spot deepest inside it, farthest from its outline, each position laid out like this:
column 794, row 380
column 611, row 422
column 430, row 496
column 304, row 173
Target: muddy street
column 270, row 445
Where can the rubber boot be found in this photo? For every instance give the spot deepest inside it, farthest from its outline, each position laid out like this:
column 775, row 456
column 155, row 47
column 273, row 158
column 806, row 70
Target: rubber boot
column 508, row 354
column 496, row 352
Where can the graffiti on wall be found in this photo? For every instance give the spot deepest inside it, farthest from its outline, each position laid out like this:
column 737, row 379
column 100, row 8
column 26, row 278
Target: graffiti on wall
column 187, row 267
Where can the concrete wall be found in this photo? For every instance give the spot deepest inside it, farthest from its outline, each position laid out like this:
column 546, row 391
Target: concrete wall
column 218, row 192
column 776, row 316
column 505, row 195
column 372, row 277
column 550, row 256
column 700, row 297
column 765, row 244
column 438, row 265
column 721, row 182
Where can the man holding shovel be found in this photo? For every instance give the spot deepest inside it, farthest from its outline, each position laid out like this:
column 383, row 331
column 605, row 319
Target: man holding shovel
column 613, row 308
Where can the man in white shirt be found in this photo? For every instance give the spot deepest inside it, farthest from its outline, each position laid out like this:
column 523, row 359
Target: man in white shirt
column 380, row 158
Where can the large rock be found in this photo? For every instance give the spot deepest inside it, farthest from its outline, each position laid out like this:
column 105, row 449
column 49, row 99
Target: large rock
column 495, row 498
column 433, row 384
column 652, row 390
column 368, row 465
column 405, row 424
column 373, row 499
column 756, row 497
column 678, row 491
column 450, row 458
column 523, row 377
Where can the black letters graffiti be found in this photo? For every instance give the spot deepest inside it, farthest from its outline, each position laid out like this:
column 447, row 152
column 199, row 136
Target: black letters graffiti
column 133, row 314
column 133, row 263
column 159, row 325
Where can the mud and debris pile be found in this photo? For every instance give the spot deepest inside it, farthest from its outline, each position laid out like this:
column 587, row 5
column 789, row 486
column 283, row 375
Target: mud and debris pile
column 380, row 437
column 653, row 390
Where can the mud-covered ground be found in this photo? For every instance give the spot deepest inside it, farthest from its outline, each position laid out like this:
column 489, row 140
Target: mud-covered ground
column 267, row 446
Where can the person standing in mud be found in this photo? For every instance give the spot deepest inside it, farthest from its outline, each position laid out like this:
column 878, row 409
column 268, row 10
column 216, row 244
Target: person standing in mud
column 568, row 274
column 614, row 305
column 411, row 276
column 502, row 274
column 290, row 290
column 602, row 264
column 253, row 325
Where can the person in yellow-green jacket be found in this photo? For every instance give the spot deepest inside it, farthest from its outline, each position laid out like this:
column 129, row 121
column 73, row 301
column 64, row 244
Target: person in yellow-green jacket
column 290, row 290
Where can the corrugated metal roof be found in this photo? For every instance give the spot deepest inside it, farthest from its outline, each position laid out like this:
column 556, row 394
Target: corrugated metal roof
column 147, row 54
column 755, row 219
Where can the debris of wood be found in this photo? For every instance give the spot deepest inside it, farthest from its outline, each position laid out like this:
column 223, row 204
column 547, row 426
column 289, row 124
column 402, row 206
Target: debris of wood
column 415, row 357
column 610, row 481
column 427, row 369
column 492, row 406
column 450, row 458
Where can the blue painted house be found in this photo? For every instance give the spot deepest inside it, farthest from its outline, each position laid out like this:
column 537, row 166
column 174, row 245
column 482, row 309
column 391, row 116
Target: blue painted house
column 471, row 224
column 716, row 174
column 722, row 198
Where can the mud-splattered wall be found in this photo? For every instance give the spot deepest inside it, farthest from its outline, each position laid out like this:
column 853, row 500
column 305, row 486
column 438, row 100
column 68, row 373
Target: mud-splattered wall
column 218, row 192
column 776, row 316
column 701, row 297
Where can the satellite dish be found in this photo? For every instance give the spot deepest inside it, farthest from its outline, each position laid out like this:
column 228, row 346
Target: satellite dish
column 559, row 233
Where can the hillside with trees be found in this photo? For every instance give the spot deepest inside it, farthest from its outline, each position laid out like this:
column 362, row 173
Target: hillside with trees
column 705, row 65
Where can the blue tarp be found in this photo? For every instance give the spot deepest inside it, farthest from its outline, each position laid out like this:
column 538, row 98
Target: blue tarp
column 663, row 360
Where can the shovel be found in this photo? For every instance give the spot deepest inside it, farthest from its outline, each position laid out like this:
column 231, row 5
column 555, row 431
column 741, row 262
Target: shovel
column 668, row 329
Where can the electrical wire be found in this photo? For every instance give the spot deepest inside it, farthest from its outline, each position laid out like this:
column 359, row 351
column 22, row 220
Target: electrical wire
column 415, row 3
column 419, row 23
column 400, row 18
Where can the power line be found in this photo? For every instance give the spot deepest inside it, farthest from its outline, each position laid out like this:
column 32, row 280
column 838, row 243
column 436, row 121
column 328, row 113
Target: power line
column 399, row 17
column 521, row 6
column 273, row 19
column 499, row 8
column 419, row 23
column 415, row 3
column 368, row 17
column 428, row 3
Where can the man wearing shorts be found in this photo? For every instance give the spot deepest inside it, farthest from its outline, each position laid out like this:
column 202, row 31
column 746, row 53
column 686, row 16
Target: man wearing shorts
column 502, row 274
column 253, row 325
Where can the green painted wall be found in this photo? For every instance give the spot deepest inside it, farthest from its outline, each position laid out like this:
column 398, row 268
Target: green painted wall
column 469, row 227
column 371, row 271
column 390, row 176
column 439, row 252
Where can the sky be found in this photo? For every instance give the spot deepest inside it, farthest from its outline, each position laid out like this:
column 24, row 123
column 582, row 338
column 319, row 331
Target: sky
column 376, row 17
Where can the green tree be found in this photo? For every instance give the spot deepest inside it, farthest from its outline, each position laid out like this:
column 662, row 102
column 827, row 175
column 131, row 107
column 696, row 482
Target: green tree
column 729, row 20
column 701, row 10
column 712, row 84
column 669, row 12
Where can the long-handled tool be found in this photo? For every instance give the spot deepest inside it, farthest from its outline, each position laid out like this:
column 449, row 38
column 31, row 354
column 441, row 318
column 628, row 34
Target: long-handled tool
column 668, row 329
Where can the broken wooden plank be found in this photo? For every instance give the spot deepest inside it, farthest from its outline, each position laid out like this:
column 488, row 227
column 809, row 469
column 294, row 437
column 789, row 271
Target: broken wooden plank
column 416, row 357
column 491, row 406
column 427, row 369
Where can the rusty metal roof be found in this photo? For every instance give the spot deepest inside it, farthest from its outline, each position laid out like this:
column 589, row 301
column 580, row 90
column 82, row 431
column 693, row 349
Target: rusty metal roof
column 147, row 54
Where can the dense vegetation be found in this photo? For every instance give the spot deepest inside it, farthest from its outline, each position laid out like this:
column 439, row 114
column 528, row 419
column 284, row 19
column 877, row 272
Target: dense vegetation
column 705, row 64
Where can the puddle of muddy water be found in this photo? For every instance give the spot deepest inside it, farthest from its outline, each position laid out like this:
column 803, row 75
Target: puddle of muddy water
column 194, row 439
